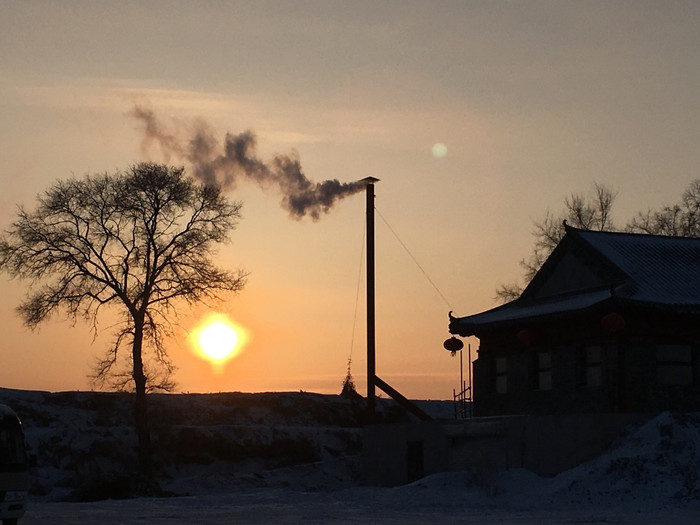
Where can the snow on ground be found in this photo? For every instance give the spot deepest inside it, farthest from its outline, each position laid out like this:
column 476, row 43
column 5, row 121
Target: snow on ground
column 293, row 458
column 443, row 498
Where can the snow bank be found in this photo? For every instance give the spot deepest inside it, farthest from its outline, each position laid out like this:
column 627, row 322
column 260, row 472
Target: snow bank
column 291, row 457
column 656, row 463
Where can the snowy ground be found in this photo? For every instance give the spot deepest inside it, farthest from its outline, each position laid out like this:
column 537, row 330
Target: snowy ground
column 651, row 475
column 419, row 503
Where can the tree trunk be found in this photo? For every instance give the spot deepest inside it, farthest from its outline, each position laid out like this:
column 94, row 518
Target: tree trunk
column 140, row 406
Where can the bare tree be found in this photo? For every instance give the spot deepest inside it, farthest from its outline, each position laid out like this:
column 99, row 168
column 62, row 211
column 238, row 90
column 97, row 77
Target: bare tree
column 681, row 220
column 592, row 212
column 140, row 240
column 588, row 212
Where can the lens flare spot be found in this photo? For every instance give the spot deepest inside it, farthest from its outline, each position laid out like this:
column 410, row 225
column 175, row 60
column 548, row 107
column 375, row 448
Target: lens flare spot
column 439, row 150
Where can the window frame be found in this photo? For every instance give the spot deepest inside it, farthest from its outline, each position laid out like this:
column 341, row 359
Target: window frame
column 669, row 366
column 501, row 375
column 544, row 370
column 591, row 364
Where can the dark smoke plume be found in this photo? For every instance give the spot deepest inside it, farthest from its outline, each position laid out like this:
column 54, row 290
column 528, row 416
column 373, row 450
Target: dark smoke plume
column 238, row 159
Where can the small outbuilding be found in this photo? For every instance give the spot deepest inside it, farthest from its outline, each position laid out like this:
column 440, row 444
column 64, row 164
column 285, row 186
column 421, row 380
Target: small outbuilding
column 610, row 323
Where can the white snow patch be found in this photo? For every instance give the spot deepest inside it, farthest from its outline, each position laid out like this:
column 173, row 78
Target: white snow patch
column 651, row 475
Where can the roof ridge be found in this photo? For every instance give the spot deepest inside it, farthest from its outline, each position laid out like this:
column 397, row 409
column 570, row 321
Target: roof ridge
column 639, row 235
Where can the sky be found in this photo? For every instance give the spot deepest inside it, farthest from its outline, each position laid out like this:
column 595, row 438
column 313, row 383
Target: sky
column 477, row 117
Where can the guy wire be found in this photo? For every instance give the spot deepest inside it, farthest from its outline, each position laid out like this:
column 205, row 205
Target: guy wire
column 357, row 293
column 414, row 260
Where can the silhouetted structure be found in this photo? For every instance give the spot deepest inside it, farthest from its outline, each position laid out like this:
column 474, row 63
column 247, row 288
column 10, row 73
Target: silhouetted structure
column 373, row 380
column 610, row 323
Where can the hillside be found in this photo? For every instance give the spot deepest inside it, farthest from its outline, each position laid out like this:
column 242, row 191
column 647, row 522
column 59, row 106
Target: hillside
column 82, row 444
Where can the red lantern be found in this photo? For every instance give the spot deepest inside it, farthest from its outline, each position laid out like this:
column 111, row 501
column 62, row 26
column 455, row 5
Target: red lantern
column 453, row 344
column 613, row 323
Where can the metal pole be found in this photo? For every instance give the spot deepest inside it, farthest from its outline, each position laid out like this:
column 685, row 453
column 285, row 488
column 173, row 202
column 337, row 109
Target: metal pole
column 463, row 386
column 461, row 372
column 455, row 400
column 471, row 386
column 371, row 361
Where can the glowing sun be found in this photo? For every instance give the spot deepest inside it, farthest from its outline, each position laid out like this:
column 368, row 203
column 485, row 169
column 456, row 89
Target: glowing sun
column 218, row 339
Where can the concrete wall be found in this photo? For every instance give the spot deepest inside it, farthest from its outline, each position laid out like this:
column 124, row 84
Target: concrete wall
column 395, row 454
column 547, row 445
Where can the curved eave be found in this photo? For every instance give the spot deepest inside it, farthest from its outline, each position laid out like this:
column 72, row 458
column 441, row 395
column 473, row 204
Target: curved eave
column 681, row 308
column 519, row 310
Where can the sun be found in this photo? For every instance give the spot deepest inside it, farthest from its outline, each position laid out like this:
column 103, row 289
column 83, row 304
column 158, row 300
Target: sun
column 218, row 339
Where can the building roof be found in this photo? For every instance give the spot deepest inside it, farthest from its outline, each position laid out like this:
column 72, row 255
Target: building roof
column 589, row 268
column 664, row 269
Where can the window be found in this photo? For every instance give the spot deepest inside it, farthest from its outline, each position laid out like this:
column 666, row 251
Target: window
column 674, row 365
column 501, row 375
column 593, row 366
column 543, row 376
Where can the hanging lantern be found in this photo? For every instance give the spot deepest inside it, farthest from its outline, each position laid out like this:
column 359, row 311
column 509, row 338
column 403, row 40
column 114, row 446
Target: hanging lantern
column 453, row 344
column 613, row 323
column 527, row 336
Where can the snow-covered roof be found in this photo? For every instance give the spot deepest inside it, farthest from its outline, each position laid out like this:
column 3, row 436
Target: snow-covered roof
column 663, row 269
column 531, row 309
column 634, row 268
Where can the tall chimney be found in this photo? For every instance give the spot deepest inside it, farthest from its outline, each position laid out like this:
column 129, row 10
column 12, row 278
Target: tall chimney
column 371, row 360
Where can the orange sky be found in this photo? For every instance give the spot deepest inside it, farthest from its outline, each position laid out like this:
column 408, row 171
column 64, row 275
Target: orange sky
column 531, row 100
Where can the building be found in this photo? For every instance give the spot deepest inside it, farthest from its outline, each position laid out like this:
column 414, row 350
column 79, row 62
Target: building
column 606, row 334
column 610, row 323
